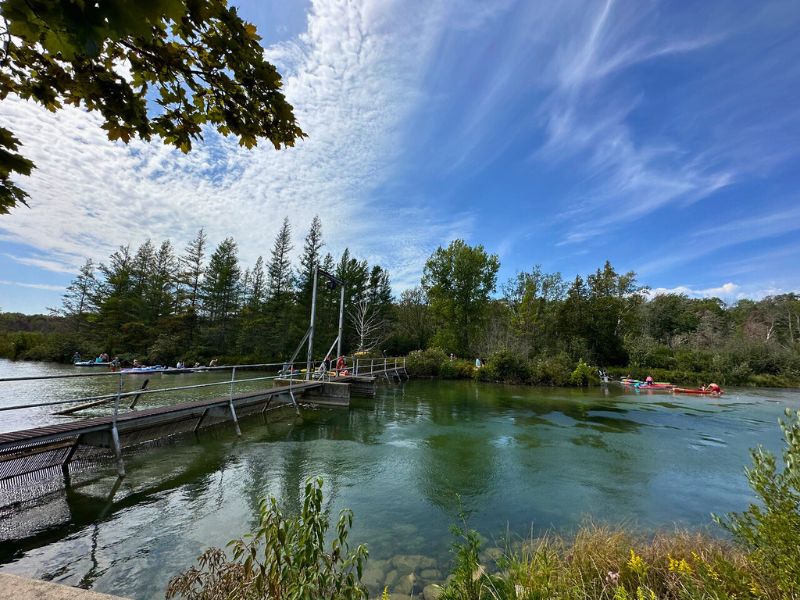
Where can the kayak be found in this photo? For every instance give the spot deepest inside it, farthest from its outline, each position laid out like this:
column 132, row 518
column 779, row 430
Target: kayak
column 177, row 371
column 144, row 370
column 699, row 391
column 91, row 363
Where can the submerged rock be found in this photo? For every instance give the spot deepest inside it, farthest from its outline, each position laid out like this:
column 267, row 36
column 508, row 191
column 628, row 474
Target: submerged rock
column 412, row 562
column 432, row 591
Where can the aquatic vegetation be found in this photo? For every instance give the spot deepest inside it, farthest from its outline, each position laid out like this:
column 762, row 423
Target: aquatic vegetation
column 285, row 557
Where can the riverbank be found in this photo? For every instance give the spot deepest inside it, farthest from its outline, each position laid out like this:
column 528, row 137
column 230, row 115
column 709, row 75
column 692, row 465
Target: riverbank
column 560, row 371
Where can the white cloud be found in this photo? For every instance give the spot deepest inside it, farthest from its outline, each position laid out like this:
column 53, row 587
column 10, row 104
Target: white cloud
column 726, row 290
column 352, row 78
column 35, row 286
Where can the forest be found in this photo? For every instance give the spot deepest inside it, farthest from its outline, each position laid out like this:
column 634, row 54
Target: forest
column 160, row 306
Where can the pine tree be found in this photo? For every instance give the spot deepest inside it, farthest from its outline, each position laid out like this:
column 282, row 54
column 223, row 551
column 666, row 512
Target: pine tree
column 190, row 279
column 280, row 267
column 220, row 293
column 79, row 300
column 310, row 258
column 256, row 293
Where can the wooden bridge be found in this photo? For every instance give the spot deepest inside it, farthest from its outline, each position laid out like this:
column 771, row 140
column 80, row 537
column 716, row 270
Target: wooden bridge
column 48, row 448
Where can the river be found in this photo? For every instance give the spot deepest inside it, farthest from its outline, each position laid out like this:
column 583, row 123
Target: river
column 407, row 463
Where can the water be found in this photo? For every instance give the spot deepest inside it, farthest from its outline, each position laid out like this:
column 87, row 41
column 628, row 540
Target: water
column 407, row 463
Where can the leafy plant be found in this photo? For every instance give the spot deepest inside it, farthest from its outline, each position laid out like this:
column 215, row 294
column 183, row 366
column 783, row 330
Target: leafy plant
column 285, row 557
column 770, row 530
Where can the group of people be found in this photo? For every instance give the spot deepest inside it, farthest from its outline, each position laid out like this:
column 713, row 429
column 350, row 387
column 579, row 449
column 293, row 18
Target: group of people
column 326, row 365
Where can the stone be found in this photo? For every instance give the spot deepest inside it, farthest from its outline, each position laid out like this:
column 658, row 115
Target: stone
column 432, row 591
column 412, row 562
column 406, row 585
column 431, row 574
column 373, row 575
column 391, row 577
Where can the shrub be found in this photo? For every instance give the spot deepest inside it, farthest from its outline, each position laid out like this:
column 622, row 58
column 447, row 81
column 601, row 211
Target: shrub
column 552, row 370
column 425, row 363
column 284, row 558
column 505, row 367
column 770, row 530
column 457, row 369
column 584, row 375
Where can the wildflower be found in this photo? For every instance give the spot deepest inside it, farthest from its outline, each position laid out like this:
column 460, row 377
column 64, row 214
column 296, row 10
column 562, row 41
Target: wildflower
column 636, row 564
column 681, row 567
column 612, row 578
column 755, row 589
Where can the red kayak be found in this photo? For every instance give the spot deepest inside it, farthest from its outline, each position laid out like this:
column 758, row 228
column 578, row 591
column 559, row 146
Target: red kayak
column 701, row 391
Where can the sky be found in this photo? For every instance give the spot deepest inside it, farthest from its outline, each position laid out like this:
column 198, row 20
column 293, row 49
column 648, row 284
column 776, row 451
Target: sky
column 662, row 136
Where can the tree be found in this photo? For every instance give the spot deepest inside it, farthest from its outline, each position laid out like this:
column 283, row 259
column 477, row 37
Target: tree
column 279, row 272
column 458, row 281
column 414, row 323
column 198, row 59
column 78, row 301
column 189, row 280
column 312, row 247
column 220, row 293
column 371, row 327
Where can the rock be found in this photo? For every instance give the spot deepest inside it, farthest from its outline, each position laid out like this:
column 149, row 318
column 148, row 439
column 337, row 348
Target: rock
column 412, row 562
column 491, row 554
column 391, row 578
column 431, row 574
column 407, row 585
column 373, row 575
column 432, row 591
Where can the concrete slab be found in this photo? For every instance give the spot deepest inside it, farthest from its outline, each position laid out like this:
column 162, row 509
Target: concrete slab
column 22, row 588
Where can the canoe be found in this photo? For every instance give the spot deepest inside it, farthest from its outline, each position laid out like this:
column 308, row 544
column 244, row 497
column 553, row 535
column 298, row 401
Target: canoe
column 177, row 371
column 91, row 363
column 699, row 391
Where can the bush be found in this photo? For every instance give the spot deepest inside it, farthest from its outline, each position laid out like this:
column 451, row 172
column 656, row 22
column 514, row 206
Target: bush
column 284, row 558
column 552, row 370
column 584, row 375
column 770, row 530
column 425, row 363
column 457, row 369
column 505, row 367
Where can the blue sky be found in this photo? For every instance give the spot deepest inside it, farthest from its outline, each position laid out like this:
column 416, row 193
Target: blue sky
column 661, row 136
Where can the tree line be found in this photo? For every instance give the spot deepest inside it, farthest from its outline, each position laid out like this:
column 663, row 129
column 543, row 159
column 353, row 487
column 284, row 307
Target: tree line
column 157, row 305
column 161, row 306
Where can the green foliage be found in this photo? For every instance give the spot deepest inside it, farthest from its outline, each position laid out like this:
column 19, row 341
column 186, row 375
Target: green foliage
column 458, row 368
column 770, row 530
column 285, row 557
column 425, row 363
column 552, row 370
column 201, row 62
column 458, row 281
column 583, row 375
column 469, row 580
column 506, row 367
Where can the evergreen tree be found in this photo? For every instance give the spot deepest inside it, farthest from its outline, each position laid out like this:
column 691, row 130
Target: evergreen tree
column 79, row 300
column 220, row 294
column 308, row 260
column 280, row 266
column 190, row 278
column 257, row 290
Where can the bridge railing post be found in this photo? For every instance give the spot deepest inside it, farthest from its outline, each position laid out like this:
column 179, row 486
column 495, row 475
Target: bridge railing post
column 115, row 432
column 230, row 403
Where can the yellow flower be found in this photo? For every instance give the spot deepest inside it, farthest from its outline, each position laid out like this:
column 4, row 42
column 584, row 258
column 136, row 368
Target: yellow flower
column 679, row 566
column 636, row 564
column 755, row 589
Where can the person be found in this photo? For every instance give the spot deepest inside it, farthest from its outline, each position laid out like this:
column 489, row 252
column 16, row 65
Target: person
column 213, row 362
column 452, row 356
column 180, row 365
column 714, row 388
column 341, row 365
column 649, row 380
column 478, row 363
column 115, row 363
column 136, row 364
column 76, row 358
column 322, row 370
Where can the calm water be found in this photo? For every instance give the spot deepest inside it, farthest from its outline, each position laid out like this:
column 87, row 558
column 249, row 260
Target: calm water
column 407, row 463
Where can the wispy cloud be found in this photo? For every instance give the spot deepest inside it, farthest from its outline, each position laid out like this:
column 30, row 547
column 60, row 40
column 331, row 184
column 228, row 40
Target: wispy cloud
column 707, row 240
column 34, row 286
column 351, row 77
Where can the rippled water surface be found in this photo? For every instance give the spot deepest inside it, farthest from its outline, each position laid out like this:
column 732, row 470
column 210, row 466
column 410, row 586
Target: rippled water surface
column 406, row 462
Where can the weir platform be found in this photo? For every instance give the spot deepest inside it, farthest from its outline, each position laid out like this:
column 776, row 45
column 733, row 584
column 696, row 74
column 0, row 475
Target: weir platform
column 51, row 448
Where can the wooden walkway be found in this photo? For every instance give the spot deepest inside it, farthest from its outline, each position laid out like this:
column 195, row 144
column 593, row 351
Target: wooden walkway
column 30, row 450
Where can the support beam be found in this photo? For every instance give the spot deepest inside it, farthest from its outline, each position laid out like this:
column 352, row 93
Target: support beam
column 117, row 451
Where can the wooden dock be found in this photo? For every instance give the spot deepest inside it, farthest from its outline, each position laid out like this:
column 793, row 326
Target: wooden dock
column 41, row 448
